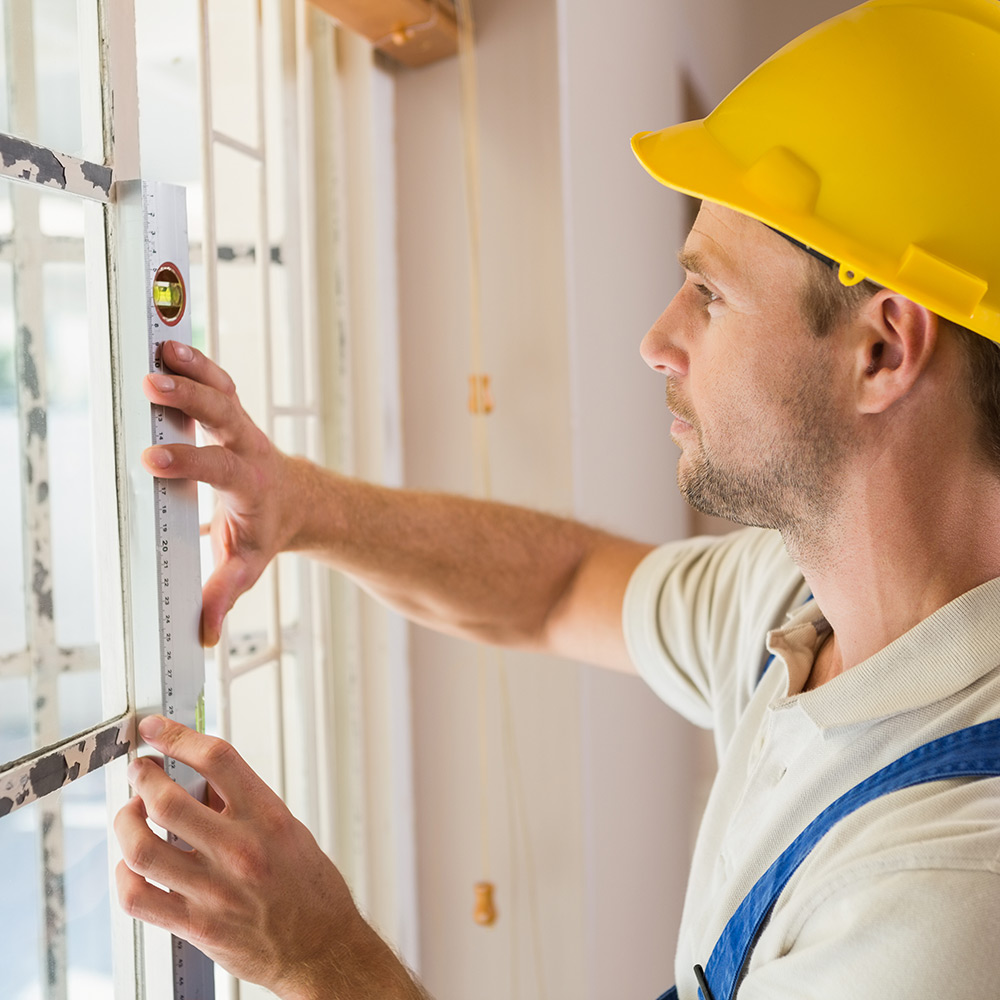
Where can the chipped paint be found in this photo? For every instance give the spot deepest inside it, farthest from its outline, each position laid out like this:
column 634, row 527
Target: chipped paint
column 244, row 252
column 42, row 590
column 27, row 161
column 21, row 160
column 38, row 424
column 34, row 777
column 27, row 369
column 97, row 175
column 42, row 774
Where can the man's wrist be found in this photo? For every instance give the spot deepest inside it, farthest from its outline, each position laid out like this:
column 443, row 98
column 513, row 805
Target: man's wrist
column 309, row 509
column 357, row 966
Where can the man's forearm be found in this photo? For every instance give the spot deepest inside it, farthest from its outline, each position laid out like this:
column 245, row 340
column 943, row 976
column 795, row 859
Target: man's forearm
column 366, row 970
column 482, row 570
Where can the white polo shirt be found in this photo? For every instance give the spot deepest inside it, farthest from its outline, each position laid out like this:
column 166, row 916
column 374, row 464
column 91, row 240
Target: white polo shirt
column 900, row 899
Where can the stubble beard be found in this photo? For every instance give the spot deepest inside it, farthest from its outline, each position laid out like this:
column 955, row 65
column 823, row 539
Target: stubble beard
column 786, row 483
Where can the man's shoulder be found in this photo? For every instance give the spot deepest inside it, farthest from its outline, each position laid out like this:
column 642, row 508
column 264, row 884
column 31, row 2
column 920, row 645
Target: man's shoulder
column 755, row 558
column 696, row 614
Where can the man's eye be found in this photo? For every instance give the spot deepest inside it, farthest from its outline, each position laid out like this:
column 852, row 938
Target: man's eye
column 706, row 293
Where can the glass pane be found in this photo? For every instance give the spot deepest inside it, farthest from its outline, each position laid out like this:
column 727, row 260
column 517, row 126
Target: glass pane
column 15, row 732
column 79, row 701
column 49, row 588
column 286, row 349
column 197, row 301
column 250, row 622
column 241, row 336
column 61, row 216
column 169, row 103
column 41, row 51
column 70, row 462
column 21, row 901
column 237, row 200
column 256, row 733
column 88, row 902
column 233, row 55
column 12, row 633
column 240, row 296
column 289, row 578
column 82, row 809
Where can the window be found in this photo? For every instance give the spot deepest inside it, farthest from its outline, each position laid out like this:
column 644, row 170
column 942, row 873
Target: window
column 266, row 246
column 63, row 700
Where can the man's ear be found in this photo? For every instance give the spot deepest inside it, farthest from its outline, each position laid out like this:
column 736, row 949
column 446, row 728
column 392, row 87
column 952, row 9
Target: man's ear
column 896, row 341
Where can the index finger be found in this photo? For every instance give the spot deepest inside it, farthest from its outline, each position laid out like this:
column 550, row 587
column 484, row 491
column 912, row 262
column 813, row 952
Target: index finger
column 182, row 359
column 215, row 760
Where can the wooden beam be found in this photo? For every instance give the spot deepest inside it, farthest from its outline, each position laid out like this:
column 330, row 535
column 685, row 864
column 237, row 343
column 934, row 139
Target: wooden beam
column 413, row 32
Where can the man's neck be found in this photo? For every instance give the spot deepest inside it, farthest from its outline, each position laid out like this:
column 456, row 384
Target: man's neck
column 901, row 547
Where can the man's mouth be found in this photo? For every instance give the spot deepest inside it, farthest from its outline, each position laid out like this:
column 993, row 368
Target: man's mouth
column 681, row 411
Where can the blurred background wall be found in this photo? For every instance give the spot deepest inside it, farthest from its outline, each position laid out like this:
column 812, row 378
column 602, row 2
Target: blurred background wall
column 578, row 260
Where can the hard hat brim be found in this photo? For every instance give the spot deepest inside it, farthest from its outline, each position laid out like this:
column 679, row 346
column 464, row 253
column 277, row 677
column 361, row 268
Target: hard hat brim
column 687, row 158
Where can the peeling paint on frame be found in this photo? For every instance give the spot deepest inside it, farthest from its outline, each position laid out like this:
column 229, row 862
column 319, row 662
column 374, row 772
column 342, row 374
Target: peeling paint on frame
column 21, row 160
column 32, row 778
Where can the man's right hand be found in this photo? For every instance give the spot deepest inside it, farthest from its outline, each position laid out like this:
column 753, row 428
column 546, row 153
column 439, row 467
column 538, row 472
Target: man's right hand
column 252, row 522
column 481, row 570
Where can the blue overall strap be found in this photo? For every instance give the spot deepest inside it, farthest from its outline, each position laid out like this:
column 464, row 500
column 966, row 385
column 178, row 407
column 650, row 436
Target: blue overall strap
column 969, row 753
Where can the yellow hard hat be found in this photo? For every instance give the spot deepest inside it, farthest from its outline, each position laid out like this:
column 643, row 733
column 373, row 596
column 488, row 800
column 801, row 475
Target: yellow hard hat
column 874, row 138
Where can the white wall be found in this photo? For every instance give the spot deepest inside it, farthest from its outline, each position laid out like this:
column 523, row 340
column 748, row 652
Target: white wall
column 578, row 247
column 622, row 229
column 526, row 355
column 721, row 41
column 579, row 428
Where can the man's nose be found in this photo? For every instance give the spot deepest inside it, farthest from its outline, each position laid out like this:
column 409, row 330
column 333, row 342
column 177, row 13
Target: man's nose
column 661, row 348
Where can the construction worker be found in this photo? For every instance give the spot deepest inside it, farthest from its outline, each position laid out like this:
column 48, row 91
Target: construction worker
column 832, row 363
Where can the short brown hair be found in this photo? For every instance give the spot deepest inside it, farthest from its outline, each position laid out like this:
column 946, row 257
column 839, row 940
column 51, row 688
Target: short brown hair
column 825, row 301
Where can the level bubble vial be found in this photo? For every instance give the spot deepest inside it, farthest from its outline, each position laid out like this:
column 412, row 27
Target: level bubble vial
column 169, row 297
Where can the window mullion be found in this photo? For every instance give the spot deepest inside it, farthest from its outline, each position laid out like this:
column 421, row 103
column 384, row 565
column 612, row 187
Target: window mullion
column 37, row 538
column 40, row 775
column 113, row 97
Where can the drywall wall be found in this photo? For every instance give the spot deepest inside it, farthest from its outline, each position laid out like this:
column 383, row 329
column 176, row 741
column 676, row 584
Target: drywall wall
column 524, row 329
column 577, row 255
column 578, row 260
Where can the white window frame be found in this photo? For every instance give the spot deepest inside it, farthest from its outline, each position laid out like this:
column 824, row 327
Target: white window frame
column 356, row 741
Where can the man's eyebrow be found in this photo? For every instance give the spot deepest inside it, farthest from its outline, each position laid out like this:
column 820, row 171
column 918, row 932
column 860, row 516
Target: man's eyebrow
column 695, row 262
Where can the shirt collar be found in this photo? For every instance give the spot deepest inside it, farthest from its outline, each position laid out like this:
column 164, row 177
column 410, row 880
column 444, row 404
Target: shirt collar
column 946, row 652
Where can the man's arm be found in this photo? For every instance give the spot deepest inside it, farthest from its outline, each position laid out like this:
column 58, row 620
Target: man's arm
column 481, row 570
column 255, row 892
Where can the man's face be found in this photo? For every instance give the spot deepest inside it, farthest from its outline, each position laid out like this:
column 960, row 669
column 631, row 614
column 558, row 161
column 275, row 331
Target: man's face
column 754, row 392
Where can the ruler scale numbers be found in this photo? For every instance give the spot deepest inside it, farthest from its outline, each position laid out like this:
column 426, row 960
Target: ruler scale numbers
column 182, row 666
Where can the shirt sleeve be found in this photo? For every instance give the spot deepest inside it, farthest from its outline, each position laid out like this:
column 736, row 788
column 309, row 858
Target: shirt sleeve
column 696, row 614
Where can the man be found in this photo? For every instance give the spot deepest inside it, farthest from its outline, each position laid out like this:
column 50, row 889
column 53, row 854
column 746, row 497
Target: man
column 857, row 422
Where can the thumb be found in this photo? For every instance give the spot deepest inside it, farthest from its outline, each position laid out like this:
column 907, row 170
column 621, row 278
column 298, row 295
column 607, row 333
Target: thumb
column 232, row 577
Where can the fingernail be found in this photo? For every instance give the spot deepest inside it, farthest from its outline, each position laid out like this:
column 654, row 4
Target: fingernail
column 151, row 727
column 159, row 457
column 163, row 382
column 132, row 771
column 182, row 352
